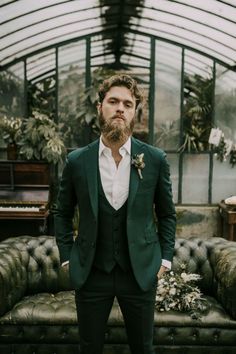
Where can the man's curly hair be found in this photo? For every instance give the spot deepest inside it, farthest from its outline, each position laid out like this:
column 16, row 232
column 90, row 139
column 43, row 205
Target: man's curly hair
column 120, row 80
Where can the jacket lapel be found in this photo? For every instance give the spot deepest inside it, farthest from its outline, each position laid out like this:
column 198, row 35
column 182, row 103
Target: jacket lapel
column 136, row 148
column 91, row 164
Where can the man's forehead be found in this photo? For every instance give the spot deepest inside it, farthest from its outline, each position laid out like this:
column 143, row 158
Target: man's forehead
column 120, row 92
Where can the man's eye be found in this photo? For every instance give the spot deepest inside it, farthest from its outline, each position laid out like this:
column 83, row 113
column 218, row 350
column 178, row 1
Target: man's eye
column 129, row 105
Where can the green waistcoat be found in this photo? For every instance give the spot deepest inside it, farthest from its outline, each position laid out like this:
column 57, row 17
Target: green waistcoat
column 111, row 246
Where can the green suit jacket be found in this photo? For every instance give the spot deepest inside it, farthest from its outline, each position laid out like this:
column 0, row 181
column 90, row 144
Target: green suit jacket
column 149, row 200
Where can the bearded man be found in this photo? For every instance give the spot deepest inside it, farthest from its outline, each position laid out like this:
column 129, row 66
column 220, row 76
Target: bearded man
column 121, row 186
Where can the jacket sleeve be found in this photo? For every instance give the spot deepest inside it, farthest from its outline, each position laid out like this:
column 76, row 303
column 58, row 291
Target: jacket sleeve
column 165, row 210
column 64, row 213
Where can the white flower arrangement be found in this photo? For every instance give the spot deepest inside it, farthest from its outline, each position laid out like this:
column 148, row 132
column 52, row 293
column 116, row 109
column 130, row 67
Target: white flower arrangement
column 178, row 292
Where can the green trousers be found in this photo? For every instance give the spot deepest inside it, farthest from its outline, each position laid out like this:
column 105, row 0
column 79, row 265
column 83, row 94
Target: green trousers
column 94, row 302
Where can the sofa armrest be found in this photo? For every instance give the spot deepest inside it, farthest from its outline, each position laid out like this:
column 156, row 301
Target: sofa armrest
column 13, row 277
column 225, row 275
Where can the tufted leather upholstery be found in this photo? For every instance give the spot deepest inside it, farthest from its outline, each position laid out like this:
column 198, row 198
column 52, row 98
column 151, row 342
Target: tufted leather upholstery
column 37, row 309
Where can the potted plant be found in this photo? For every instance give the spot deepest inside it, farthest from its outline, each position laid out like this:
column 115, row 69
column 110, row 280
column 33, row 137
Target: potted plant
column 10, row 131
column 41, row 140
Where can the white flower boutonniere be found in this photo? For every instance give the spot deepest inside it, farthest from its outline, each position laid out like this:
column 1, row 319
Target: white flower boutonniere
column 138, row 162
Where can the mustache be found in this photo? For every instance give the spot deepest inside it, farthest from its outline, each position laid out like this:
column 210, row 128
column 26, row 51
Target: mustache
column 118, row 116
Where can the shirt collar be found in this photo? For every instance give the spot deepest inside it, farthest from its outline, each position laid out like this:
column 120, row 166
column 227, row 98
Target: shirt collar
column 126, row 148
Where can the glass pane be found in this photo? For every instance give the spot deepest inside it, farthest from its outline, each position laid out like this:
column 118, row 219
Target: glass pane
column 167, row 96
column 224, row 181
column 197, row 105
column 12, row 91
column 131, row 60
column 195, row 179
column 205, row 26
column 41, row 95
column 40, row 64
column 71, row 88
column 205, row 10
column 103, row 59
column 138, row 45
column 225, row 102
column 11, row 97
column 49, row 38
column 173, row 160
column 141, row 127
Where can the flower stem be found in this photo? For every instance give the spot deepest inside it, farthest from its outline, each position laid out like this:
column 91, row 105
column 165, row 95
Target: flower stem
column 140, row 173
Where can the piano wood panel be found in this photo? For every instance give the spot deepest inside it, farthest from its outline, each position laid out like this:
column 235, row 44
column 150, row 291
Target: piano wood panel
column 24, row 184
column 22, row 173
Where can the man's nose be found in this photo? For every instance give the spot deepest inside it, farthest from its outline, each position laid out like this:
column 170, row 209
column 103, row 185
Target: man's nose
column 120, row 107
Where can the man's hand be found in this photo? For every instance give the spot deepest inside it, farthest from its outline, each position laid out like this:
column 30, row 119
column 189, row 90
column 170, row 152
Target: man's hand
column 162, row 270
column 65, row 267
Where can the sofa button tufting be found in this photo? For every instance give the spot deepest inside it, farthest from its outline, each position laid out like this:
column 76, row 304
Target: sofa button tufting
column 107, row 335
column 64, row 334
column 216, row 337
column 48, row 252
column 59, row 307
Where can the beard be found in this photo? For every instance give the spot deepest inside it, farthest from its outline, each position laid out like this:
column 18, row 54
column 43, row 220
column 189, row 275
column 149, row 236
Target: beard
column 115, row 131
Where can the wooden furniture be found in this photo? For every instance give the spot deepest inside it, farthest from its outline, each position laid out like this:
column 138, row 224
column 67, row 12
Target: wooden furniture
column 227, row 225
column 24, row 197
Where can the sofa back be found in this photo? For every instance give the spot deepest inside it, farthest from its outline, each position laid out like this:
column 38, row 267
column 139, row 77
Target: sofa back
column 198, row 256
column 40, row 260
column 41, row 270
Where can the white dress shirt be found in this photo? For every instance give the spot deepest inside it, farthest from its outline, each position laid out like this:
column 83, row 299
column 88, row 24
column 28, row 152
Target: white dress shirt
column 115, row 179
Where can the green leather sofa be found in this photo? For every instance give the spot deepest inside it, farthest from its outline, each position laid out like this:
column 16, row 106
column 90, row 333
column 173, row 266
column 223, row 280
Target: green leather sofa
column 37, row 310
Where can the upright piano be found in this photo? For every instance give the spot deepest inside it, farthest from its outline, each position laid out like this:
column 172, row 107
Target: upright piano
column 24, row 198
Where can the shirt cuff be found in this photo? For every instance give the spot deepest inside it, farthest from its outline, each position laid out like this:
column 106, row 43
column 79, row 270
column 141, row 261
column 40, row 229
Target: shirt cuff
column 166, row 263
column 64, row 263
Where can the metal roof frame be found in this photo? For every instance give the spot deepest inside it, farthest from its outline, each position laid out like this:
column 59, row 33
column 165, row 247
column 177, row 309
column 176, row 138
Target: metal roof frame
column 28, row 27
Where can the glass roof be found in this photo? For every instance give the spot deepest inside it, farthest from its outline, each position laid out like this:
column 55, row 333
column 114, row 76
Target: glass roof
column 120, row 28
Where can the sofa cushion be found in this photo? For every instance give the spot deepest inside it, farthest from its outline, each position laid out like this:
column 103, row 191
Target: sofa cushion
column 43, row 308
column 52, row 317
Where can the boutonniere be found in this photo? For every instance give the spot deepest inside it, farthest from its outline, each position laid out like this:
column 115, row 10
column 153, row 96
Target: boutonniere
column 138, row 162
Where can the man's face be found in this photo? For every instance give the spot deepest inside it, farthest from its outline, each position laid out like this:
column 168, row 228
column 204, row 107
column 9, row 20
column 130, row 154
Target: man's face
column 116, row 113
